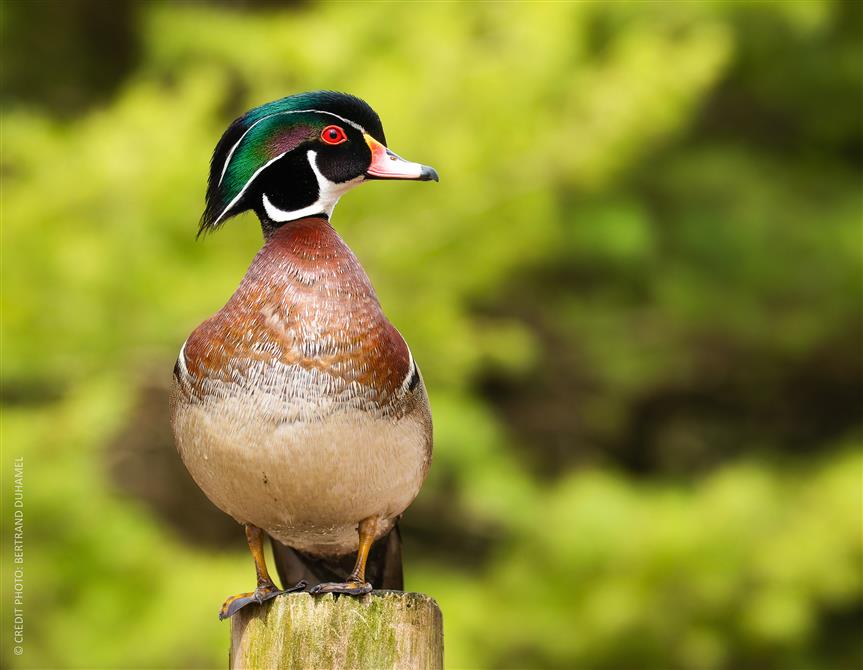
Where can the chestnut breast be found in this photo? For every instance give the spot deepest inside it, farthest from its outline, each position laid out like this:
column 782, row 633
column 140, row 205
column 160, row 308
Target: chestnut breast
column 305, row 301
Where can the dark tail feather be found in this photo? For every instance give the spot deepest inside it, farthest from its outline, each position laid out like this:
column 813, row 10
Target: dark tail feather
column 383, row 569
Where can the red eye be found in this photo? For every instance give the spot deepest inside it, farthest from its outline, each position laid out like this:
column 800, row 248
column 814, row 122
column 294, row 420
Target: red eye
column 333, row 135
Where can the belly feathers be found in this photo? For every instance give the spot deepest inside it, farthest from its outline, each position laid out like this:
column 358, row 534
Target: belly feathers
column 306, row 475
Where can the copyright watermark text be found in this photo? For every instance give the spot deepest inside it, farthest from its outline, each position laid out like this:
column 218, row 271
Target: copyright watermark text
column 18, row 556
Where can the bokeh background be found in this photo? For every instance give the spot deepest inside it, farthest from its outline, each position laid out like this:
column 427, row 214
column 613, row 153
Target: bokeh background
column 635, row 296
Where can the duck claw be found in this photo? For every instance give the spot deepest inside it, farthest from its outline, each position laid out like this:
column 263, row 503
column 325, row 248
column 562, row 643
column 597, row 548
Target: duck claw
column 347, row 588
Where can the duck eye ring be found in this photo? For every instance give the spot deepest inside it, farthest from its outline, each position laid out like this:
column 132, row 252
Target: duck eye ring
column 333, row 135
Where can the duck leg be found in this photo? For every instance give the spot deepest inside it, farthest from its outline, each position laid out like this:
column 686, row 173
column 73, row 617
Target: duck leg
column 356, row 583
column 265, row 589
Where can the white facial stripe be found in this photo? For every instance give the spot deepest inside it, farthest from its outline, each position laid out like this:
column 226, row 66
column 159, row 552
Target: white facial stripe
column 329, row 193
column 245, row 186
column 298, row 111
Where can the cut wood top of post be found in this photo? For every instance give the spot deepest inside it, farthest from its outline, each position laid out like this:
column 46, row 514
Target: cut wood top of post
column 384, row 629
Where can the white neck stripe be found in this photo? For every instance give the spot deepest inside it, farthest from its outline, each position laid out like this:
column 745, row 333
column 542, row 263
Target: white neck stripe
column 329, row 193
column 297, row 111
column 281, row 216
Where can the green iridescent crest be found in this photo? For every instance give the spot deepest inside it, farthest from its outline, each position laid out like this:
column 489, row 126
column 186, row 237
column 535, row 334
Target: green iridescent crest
column 265, row 134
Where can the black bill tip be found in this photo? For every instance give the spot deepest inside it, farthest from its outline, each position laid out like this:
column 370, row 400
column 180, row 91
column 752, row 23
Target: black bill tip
column 428, row 174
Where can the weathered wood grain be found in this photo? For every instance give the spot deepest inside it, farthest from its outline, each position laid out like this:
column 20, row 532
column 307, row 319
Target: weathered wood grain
column 385, row 629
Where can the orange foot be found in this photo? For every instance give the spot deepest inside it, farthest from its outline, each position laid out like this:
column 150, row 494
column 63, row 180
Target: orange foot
column 261, row 594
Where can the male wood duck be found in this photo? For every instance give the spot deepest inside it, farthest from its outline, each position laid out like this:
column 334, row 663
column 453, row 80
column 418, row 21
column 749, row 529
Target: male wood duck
column 298, row 408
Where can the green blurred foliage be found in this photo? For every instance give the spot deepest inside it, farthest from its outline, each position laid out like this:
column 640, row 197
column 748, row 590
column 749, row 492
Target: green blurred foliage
column 635, row 297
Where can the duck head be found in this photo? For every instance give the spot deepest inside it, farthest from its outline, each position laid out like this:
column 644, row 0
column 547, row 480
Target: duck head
column 297, row 156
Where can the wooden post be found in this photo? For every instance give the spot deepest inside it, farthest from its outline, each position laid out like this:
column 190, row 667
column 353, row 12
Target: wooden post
column 384, row 629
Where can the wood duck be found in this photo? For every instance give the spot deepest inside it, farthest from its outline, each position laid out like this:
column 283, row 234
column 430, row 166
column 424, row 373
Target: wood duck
column 298, row 408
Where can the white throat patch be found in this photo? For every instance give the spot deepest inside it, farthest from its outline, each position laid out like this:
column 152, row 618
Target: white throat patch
column 329, row 193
